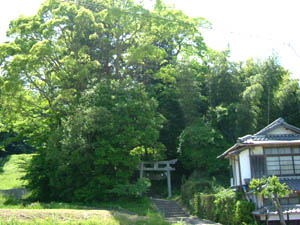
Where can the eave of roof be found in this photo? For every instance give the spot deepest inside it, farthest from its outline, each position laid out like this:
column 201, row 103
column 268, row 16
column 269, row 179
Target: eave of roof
column 237, row 146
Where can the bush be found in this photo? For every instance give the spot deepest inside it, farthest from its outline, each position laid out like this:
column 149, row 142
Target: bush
column 243, row 211
column 204, row 206
column 191, row 187
column 198, row 183
column 225, row 205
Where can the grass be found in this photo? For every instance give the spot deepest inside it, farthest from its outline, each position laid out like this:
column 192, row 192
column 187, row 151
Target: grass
column 142, row 206
column 18, row 212
column 99, row 217
column 10, row 171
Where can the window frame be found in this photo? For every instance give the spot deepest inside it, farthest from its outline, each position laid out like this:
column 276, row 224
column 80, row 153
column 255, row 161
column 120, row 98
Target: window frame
column 292, row 155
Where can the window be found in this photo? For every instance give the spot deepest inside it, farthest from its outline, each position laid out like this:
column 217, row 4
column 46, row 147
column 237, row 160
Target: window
column 258, row 165
column 273, row 166
column 297, row 164
column 280, row 165
column 282, row 160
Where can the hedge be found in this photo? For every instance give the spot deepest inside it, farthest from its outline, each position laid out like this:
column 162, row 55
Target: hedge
column 223, row 207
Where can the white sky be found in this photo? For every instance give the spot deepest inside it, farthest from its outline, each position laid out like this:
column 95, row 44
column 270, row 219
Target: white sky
column 251, row 28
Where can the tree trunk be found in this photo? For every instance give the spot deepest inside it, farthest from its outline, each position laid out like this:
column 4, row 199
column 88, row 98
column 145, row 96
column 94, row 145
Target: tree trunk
column 279, row 210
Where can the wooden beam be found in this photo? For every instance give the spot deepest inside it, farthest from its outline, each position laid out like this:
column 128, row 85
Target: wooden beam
column 159, row 169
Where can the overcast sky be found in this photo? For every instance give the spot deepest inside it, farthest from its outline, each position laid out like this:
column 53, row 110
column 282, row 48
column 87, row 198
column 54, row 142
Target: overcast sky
column 251, row 28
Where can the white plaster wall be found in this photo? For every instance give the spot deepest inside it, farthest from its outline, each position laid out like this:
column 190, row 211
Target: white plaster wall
column 245, row 165
column 236, row 176
column 257, row 150
column 281, row 130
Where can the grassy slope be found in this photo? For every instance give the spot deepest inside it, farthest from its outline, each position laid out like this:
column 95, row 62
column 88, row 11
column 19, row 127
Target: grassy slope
column 19, row 212
column 83, row 217
column 10, row 171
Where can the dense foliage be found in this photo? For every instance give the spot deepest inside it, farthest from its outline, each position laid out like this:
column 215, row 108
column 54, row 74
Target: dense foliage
column 224, row 207
column 96, row 86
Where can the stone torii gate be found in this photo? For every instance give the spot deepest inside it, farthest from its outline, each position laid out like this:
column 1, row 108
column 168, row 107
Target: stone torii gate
column 159, row 166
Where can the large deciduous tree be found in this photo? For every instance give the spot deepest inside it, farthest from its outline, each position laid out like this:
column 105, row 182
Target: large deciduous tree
column 88, row 81
column 91, row 156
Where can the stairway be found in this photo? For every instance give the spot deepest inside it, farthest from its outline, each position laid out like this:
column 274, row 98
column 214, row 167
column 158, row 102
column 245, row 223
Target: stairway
column 169, row 208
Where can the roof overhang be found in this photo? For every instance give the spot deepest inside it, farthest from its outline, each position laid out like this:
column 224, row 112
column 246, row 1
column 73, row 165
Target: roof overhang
column 239, row 147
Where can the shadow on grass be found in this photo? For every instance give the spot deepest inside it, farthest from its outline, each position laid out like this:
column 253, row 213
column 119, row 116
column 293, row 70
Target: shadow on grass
column 3, row 161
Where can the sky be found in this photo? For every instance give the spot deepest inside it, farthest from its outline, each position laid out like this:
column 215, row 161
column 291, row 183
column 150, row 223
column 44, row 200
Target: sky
column 250, row 28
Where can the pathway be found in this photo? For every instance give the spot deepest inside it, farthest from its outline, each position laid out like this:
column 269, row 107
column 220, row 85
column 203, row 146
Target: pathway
column 174, row 213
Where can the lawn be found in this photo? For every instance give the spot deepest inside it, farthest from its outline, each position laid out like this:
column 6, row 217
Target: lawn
column 21, row 212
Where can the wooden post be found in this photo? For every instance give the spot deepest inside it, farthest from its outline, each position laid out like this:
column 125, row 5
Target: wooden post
column 142, row 170
column 169, row 183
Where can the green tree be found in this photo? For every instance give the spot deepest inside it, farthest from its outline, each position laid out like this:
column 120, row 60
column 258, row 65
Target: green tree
column 288, row 102
column 273, row 189
column 222, row 89
column 67, row 48
column 199, row 146
column 91, row 156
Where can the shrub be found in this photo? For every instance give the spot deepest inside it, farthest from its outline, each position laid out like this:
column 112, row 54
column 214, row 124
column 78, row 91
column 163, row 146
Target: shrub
column 190, row 187
column 243, row 211
column 204, row 206
column 225, row 205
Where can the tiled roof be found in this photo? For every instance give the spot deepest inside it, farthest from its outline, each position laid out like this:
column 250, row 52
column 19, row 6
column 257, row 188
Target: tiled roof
column 278, row 137
column 262, row 137
column 293, row 183
column 290, row 209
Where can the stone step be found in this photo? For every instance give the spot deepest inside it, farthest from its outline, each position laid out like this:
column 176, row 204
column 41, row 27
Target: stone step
column 169, row 208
